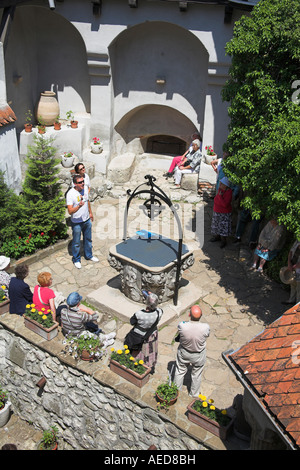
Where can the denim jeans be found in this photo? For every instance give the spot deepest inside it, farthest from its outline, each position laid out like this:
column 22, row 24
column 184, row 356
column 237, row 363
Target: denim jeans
column 86, row 229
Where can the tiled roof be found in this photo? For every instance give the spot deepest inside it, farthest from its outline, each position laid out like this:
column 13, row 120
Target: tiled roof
column 270, row 363
column 7, row 116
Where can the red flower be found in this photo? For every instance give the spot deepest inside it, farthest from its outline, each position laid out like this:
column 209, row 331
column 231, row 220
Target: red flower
column 27, row 241
column 42, row 233
column 30, row 235
column 19, row 238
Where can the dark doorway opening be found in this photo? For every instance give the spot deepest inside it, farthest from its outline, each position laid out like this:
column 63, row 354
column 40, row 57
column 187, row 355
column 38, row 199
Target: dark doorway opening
column 165, row 144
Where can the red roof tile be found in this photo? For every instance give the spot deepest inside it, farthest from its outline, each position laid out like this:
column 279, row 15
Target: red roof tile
column 270, row 363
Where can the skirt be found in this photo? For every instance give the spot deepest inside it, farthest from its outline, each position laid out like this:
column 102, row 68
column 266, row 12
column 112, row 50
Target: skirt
column 267, row 255
column 149, row 351
column 221, row 224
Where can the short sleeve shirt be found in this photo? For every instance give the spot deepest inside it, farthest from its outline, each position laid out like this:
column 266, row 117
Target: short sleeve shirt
column 46, row 294
column 73, row 199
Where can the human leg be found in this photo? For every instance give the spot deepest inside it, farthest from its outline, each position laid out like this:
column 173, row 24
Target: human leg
column 87, row 239
column 76, row 235
column 175, row 161
column 178, row 174
column 197, row 369
column 181, row 367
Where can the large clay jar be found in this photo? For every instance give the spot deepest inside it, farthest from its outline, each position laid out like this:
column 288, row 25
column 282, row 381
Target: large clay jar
column 48, row 108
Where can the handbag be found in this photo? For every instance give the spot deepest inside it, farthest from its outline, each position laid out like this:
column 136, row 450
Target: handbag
column 135, row 341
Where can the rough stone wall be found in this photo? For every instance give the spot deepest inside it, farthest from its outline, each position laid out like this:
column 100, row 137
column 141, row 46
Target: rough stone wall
column 88, row 414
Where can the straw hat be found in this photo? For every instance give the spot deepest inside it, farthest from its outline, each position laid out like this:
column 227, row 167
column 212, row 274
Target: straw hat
column 286, row 275
column 4, row 262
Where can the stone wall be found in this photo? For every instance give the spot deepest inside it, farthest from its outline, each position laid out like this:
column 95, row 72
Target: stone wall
column 89, row 415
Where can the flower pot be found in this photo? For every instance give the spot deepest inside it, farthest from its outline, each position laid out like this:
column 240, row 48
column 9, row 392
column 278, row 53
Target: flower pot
column 42, row 130
column 4, row 306
column 163, row 400
column 210, row 158
column 96, row 148
column 5, row 414
column 208, row 424
column 67, row 162
column 41, row 447
column 57, row 126
column 130, row 375
column 74, row 124
column 46, row 333
column 28, row 127
column 48, row 108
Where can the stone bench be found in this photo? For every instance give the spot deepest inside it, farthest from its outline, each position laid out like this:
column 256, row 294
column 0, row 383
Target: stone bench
column 120, row 168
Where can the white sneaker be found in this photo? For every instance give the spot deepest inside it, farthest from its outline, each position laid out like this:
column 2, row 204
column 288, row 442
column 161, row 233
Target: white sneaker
column 94, row 258
column 108, row 342
column 110, row 336
column 77, row 265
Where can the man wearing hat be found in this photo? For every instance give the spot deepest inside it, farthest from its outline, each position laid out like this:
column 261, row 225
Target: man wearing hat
column 191, row 350
column 291, row 274
column 4, row 276
column 77, row 318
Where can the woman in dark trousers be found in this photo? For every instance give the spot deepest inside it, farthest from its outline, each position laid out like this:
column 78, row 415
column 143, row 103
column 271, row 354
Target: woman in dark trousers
column 19, row 292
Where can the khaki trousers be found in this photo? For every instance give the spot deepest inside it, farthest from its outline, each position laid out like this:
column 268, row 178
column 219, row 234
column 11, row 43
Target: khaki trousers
column 183, row 360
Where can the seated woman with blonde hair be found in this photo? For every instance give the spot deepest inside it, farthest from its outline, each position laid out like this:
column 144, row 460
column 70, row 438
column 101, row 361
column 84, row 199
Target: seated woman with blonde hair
column 43, row 296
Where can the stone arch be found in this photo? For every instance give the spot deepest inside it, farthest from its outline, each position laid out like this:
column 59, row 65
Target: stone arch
column 46, row 52
column 159, row 71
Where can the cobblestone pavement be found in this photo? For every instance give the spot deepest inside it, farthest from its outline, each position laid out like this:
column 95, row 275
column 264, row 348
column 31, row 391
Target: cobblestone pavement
column 237, row 303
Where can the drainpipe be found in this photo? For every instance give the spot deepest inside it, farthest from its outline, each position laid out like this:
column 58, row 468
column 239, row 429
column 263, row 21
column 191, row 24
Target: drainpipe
column 245, row 384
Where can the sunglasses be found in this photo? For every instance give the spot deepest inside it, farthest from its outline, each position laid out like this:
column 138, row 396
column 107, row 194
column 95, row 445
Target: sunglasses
column 81, row 168
column 80, row 182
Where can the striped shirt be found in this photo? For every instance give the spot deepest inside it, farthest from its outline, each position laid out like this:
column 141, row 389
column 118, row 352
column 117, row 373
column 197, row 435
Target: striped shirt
column 73, row 320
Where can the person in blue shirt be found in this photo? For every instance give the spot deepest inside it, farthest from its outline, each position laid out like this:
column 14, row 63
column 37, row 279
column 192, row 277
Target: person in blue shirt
column 19, row 292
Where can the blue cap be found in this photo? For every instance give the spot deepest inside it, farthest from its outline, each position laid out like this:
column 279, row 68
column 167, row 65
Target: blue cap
column 73, row 299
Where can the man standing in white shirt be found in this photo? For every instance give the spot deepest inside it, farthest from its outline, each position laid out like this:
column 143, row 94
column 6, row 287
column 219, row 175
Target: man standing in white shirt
column 191, row 350
column 79, row 208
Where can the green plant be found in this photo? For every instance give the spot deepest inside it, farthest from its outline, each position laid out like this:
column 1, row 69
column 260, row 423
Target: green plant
column 210, row 150
column 57, row 119
column 70, row 115
column 43, row 316
column 123, row 357
column 3, row 397
column 41, row 123
column 166, row 392
column 68, row 154
column 208, row 409
column 86, row 341
column 2, row 294
column 28, row 116
column 49, row 439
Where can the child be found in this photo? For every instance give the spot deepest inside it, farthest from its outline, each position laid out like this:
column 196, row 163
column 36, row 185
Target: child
column 221, row 219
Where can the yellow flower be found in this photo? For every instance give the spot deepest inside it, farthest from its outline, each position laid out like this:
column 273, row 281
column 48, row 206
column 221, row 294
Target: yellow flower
column 112, row 349
column 48, row 311
column 125, row 346
column 3, row 287
column 224, row 412
column 204, row 404
column 202, row 397
column 32, row 305
column 42, row 309
column 212, row 407
column 27, row 306
column 131, row 358
column 44, row 317
column 141, row 362
column 119, row 351
column 33, row 310
column 210, row 400
column 40, row 313
column 127, row 351
column 135, row 363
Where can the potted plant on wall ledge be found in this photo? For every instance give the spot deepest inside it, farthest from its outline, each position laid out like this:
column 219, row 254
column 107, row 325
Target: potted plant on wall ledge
column 166, row 394
column 4, row 407
column 67, row 159
column 204, row 413
column 28, row 124
column 70, row 117
column 87, row 346
column 57, row 124
column 49, row 439
column 40, row 322
column 96, row 146
column 41, row 126
column 210, row 154
column 4, row 300
column 126, row 366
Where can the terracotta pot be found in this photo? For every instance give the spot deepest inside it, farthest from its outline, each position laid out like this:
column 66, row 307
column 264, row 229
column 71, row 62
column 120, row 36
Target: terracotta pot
column 74, row 124
column 207, row 423
column 28, row 127
column 42, row 130
column 162, row 399
column 130, row 375
column 86, row 356
column 4, row 306
column 46, row 333
column 40, row 446
column 57, row 126
column 48, row 108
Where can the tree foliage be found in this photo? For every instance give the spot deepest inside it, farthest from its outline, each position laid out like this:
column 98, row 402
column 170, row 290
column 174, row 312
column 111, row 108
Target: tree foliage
column 264, row 131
